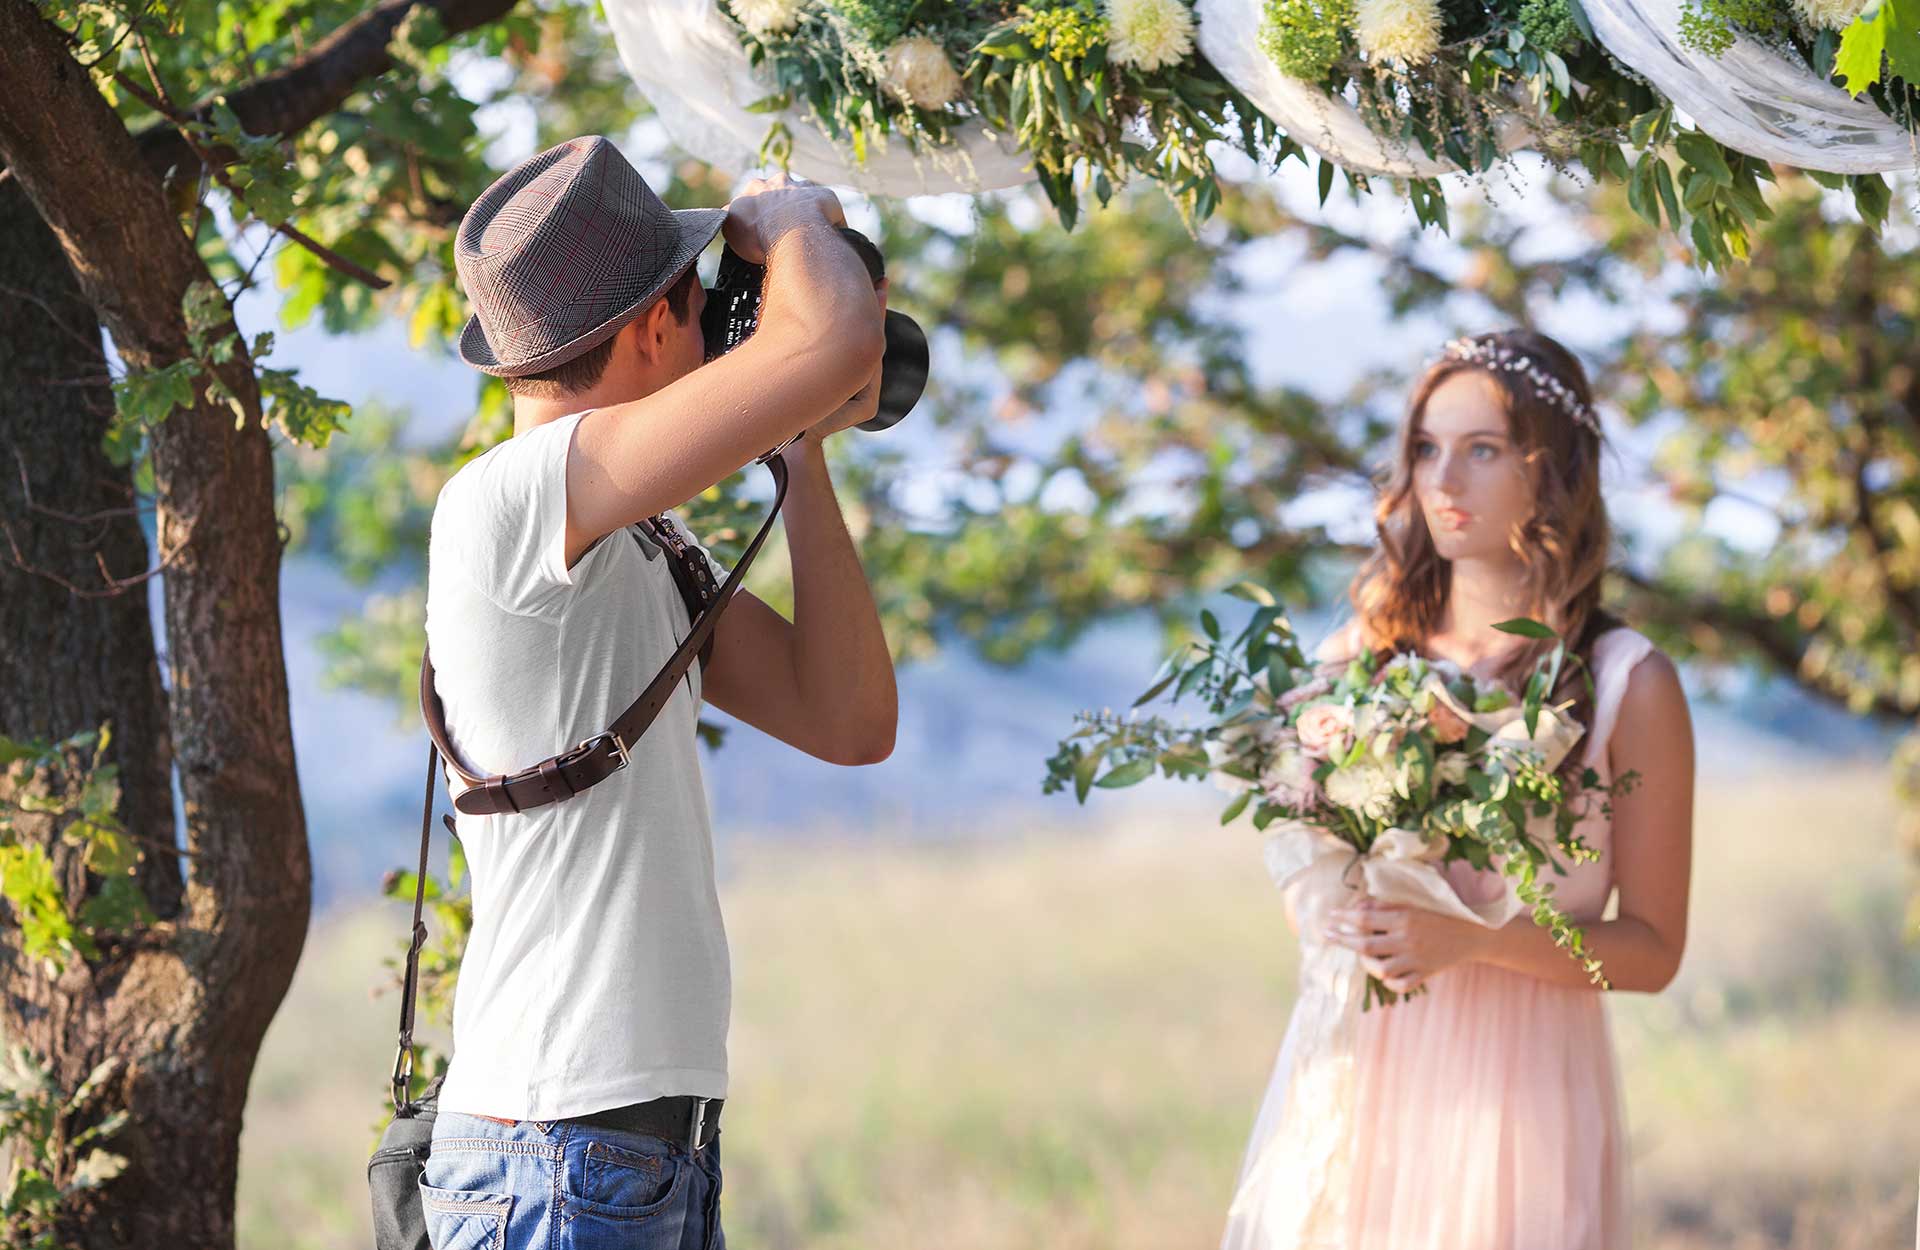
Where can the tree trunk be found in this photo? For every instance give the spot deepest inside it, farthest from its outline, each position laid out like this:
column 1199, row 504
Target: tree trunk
column 185, row 1003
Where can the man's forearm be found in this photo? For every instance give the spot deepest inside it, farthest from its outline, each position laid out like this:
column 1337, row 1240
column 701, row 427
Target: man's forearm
column 841, row 665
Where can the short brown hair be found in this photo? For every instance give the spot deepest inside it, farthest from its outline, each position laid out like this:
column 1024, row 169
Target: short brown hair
column 570, row 377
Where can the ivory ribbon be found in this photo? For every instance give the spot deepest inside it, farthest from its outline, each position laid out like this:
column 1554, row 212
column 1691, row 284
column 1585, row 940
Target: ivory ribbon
column 1294, row 1185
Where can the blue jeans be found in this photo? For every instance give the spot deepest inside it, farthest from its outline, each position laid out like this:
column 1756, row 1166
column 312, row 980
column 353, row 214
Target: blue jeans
column 555, row 1185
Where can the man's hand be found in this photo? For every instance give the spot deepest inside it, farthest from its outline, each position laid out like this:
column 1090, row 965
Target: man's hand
column 767, row 208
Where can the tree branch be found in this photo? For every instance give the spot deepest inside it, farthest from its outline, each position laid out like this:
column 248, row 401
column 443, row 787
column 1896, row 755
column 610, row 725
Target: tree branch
column 1781, row 646
column 293, row 97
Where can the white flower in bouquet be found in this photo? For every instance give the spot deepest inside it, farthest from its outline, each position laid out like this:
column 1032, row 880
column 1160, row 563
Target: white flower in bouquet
column 919, row 73
column 1829, row 14
column 1364, row 787
column 1148, row 34
column 1451, row 768
column 1289, row 779
column 766, row 17
column 1407, row 31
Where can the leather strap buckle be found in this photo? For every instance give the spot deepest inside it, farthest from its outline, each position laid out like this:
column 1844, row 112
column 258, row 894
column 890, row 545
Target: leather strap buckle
column 604, row 739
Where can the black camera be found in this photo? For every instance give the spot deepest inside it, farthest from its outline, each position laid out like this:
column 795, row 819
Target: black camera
column 733, row 310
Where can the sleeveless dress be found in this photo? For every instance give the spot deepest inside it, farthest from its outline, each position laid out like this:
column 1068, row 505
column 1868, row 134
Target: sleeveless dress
column 1487, row 1111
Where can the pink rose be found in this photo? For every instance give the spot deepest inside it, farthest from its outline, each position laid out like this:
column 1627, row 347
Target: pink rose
column 1323, row 729
column 1447, row 725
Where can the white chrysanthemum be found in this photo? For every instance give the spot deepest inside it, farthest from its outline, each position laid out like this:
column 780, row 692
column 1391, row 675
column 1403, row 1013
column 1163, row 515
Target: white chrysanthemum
column 1451, row 768
column 919, row 73
column 1407, row 31
column 1148, row 34
column 766, row 17
column 1829, row 14
column 1365, row 788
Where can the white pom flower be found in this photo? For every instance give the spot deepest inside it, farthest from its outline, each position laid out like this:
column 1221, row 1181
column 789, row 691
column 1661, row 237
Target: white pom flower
column 919, row 73
column 1365, row 787
column 1407, row 31
column 1828, row 14
column 766, row 17
column 1148, row 34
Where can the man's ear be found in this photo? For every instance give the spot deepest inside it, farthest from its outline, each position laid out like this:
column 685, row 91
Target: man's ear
column 882, row 287
column 652, row 331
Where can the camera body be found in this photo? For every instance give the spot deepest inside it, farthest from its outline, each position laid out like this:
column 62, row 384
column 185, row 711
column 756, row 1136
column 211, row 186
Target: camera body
column 733, row 312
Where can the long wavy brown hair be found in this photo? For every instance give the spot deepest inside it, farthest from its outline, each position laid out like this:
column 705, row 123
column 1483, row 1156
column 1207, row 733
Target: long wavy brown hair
column 1400, row 593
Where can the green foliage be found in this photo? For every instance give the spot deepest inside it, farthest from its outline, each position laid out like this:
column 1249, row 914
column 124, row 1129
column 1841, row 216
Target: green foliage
column 1549, row 24
column 54, row 1158
column 67, row 783
column 1709, row 26
column 1889, row 28
column 1306, row 37
column 877, row 22
column 1067, row 33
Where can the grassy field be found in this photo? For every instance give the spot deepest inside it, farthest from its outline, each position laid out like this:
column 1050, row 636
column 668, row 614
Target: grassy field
column 1059, row 1042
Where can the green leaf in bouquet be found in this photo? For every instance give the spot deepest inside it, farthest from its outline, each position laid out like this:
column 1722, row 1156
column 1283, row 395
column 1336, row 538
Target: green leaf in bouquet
column 1084, row 768
column 1279, row 673
column 1526, row 627
column 1414, row 776
column 1239, row 804
column 1170, row 673
column 1210, row 624
column 1253, row 593
column 1130, row 773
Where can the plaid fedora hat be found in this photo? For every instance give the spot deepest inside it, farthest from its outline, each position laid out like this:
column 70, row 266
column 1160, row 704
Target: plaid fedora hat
column 562, row 251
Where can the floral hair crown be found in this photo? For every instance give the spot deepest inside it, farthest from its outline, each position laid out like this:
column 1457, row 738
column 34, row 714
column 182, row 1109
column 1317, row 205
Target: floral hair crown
column 1499, row 357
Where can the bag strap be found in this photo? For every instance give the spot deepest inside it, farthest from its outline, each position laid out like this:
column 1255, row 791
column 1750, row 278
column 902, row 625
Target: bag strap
column 594, row 759
column 575, row 770
column 417, row 938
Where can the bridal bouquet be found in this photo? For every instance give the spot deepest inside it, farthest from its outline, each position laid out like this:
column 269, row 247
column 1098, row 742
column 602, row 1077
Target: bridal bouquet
column 1367, row 775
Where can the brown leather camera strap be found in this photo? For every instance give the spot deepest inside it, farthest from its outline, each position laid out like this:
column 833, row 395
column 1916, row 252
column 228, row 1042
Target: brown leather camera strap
column 595, row 759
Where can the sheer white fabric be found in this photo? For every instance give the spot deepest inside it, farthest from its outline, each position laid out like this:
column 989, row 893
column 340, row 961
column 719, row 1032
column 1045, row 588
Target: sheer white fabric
column 687, row 60
column 1333, row 127
column 1754, row 98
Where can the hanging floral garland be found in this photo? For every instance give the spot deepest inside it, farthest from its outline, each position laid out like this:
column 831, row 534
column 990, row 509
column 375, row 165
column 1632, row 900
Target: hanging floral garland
column 1091, row 93
column 1085, row 94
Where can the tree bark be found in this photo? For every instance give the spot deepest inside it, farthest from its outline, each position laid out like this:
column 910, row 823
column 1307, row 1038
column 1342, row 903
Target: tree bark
column 186, row 1004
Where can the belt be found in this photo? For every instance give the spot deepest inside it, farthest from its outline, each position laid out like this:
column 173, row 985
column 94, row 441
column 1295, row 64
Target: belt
column 679, row 1118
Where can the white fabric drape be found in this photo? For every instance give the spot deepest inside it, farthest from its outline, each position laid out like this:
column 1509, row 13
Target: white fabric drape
column 1294, row 1184
column 1333, row 127
column 687, row 59
column 1754, row 98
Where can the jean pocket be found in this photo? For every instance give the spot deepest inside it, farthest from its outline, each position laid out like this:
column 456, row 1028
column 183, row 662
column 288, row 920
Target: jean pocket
column 622, row 1184
column 465, row 1219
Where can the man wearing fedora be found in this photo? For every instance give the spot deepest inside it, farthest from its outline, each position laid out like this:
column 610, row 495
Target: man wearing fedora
column 582, row 1104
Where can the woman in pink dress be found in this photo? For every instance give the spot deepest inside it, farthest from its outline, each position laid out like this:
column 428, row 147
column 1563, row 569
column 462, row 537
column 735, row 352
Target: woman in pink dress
column 1484, row 1113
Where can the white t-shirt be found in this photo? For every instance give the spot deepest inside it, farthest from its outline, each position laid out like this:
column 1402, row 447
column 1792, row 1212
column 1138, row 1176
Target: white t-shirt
column 596, row 974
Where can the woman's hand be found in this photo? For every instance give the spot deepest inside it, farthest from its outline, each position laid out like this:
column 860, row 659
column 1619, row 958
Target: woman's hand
column 1403, row 946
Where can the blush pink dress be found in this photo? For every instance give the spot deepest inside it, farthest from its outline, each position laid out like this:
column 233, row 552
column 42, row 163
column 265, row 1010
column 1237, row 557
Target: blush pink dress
column 1487, row 1114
